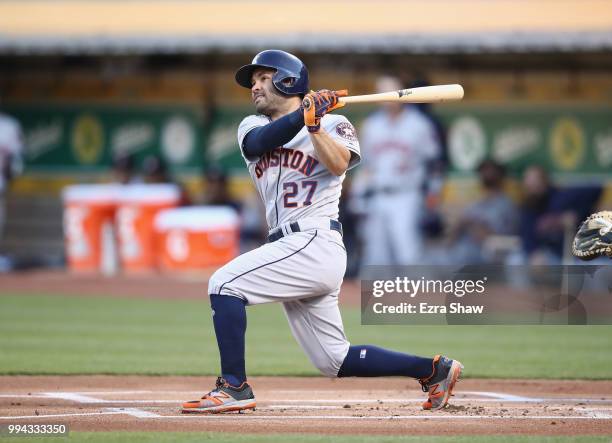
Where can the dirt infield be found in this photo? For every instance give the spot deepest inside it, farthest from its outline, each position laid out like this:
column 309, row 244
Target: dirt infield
column 313, row 405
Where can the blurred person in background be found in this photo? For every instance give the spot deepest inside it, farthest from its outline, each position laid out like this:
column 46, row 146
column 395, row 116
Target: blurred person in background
column 549, row 214
column 155, row 171
column 124, row 169
column 350, row 218
column 216, row 189
column 493, row 214
column 432, row 222
column 253, row 228
column 11, row 165
column 397, row 143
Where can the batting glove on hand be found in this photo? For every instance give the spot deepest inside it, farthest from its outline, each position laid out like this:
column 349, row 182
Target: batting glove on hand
column 316, row 104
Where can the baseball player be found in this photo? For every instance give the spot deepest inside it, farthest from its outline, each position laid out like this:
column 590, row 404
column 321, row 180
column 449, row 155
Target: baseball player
column 11, row 165
column 398, row 142
column 297, row 154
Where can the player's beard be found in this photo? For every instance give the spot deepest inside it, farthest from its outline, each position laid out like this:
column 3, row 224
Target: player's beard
column 270, row 102
column 263, row 107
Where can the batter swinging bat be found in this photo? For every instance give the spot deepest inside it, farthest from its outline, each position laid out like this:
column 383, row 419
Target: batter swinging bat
column 425, row 94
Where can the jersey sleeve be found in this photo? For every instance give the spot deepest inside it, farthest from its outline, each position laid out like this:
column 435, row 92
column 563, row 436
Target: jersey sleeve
column 246, row 125
column 341, row 130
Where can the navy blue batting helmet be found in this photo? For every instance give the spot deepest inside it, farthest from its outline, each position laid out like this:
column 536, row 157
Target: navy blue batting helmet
column 291, row 76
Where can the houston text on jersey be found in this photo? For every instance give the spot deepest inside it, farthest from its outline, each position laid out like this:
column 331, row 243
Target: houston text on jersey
column 289, row 158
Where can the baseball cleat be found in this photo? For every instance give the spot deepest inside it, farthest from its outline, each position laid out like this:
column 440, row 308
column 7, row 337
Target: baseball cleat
column 439, row 385
column 224, row 398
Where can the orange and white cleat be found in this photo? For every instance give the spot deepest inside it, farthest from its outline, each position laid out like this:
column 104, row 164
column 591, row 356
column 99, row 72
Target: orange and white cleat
column 224, row 398
column 439, row 385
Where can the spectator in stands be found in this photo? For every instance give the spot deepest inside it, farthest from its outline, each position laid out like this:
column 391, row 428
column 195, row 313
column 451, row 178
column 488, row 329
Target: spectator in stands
column 155, row 170
column 494, row 214
column 124, row 169
column 11, row 165
column 216, row 189
column 549, row 214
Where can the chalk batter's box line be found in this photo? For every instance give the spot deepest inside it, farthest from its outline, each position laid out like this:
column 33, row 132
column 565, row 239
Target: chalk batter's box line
column 588, row 414
column 493, row 397
column 233, row 417
column 485, row 394
column 295, row 403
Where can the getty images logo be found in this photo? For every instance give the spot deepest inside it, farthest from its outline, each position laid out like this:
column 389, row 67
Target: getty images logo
column 412, row 287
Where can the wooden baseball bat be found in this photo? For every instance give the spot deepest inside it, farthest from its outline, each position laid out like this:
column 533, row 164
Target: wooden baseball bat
column 425, row 94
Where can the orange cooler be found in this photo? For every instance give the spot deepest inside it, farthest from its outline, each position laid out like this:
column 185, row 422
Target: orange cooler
column 138, row 206
column 197, row 237
column 89, row 212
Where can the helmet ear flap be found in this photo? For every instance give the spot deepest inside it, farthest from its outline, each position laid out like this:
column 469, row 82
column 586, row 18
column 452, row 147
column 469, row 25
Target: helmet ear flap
column 283, row 81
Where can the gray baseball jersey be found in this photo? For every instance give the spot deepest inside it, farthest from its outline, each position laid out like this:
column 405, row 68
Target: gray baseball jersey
column 302, row 270
column 291, row 181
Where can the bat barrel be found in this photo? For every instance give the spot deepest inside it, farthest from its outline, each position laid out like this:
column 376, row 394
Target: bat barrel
column 426, row 94
column 431, row 94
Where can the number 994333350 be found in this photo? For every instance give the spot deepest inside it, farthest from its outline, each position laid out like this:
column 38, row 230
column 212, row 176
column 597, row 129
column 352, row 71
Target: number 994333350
column 29, row 429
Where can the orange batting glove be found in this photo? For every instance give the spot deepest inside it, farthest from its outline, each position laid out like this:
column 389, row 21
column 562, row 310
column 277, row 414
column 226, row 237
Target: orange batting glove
column 317, row 104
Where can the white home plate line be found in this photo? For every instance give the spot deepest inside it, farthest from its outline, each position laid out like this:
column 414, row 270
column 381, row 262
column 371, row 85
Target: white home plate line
column 489, row 396
column 493, row 398
column 433, row 416
column 85, row 399
column 579, row 400
column 74, row 397
column 454, row 400
column 125, row 392
column 76, row 414
column 502, row 396
column 177, row 402
column 273, row 407
column 235, row 416
column 92, row 400
column 348, row 400
column 190, row 392
column 139, row 413
column 596, row 413
column 356, row 407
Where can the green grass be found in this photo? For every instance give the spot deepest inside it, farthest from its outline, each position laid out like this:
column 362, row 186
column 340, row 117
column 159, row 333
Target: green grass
column 217, row 437
column 85, row 335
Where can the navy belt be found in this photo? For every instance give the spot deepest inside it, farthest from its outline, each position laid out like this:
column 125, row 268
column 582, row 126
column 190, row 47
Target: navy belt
column 334, row 225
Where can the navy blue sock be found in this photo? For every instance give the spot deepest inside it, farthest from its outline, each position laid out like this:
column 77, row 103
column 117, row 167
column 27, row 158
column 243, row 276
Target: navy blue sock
column 372, row 361
column 229, row 318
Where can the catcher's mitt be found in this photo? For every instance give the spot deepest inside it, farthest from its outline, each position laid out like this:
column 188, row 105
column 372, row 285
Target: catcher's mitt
column 594, row 237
